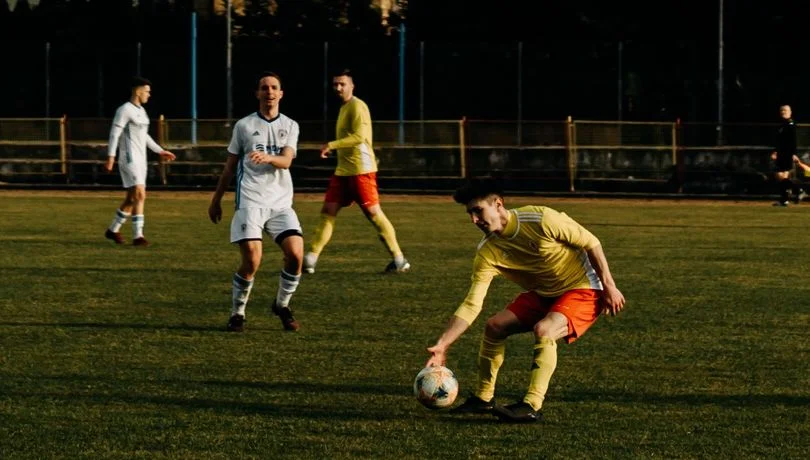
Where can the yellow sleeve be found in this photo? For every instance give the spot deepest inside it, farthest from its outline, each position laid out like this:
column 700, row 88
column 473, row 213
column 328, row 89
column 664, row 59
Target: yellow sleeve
column 566, row 230
column 359, row 121
column 483, row 273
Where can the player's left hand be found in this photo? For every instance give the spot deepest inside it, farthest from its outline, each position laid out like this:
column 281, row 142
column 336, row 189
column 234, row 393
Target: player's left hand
column 167, row 156
column 260, row 158
column 108, row 165
column 325, row 150
column 612, row 300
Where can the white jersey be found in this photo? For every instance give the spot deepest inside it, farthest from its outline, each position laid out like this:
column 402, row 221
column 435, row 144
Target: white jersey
column 263, row 186
column 130, row 134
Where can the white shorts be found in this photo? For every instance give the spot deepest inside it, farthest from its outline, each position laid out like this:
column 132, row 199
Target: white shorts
column 132, row 174
column 249, row 223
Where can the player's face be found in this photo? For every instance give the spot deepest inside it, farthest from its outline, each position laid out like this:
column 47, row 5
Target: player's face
column 486, row 215
column 269, row 93
column 344, row 87
column 143, row 93
column 785, row 112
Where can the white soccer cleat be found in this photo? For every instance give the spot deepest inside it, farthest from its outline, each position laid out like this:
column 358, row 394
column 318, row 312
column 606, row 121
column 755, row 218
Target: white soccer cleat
column 310, row 259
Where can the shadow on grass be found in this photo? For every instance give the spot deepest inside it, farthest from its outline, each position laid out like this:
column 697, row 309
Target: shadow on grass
column 99, row 325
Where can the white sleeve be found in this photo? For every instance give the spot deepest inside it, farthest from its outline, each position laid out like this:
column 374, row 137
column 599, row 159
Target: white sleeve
column 292, row 139
column 119, row 122
column 153, row 146
column 234, row 147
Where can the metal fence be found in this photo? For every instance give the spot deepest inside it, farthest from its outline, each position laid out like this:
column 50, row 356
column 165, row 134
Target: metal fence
column 573, row 155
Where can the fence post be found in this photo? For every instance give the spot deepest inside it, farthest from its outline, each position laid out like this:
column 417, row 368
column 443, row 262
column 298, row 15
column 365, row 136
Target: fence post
column 63, row 143
column 677, row 152
column 462, row 126
column 570, row 152
column 162, row 142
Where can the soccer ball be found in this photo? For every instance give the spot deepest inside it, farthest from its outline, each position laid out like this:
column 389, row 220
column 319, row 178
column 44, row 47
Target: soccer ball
column 435, row 387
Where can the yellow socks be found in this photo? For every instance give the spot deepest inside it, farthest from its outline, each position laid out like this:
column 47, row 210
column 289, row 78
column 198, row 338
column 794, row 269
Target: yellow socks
column 490, row 358
column 387, row 233
column 545, row 361
column 323, row 233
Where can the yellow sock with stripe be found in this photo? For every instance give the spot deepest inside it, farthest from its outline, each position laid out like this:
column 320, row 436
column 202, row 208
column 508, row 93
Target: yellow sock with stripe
column 387, row 233
column 545, row 362
column 323, row 233
column 490, row 358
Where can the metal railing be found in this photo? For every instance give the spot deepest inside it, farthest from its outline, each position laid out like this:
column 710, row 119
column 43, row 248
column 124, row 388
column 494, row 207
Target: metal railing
column 572, row 154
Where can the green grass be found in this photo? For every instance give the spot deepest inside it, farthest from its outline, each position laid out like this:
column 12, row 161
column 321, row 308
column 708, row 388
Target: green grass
column 117, row 352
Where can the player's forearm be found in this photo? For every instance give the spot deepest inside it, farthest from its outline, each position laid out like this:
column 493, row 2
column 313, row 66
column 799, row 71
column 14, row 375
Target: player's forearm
column 283, row 161
column 599, row 262
column 115, row 135
column 152, row 145
column 224, row 180
column 351, row 140
column 455, row 328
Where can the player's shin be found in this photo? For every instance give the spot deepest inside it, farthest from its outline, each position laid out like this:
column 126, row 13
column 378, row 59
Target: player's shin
column 387, row 233
column 545, row 361
column 287, row 284
column 137, row 226
column 241, row 293
column 119, row 220
column 323, row 233
column 490, row 358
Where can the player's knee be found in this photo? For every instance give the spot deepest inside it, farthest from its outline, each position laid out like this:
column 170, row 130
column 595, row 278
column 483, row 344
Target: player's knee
column 495, row 328
column 551, row 327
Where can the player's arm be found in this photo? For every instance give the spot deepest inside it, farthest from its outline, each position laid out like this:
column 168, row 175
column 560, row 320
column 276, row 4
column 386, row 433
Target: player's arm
column 155, row 147
column 119, row 122
column 467, row 312
column 359, row 126
column 215, row 208
column 285, row 158
column 612, row 298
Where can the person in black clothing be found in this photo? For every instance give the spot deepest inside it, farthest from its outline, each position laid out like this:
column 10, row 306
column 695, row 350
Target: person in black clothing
column 785, row 157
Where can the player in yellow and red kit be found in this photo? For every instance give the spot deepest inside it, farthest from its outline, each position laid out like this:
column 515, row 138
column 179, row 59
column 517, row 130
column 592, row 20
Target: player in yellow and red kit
column 567, row 283
column 355, row 178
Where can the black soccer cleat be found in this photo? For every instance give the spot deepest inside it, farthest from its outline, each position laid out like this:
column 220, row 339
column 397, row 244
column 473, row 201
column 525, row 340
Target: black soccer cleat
column 286, row 316
column 236, row 323
column 115, row 236
column 473, row 405
column 394, row 267
column 519, row 412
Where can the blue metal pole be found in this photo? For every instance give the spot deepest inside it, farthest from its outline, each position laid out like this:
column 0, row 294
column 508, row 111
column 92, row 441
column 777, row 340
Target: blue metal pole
column 402, row 83
column 194, row 78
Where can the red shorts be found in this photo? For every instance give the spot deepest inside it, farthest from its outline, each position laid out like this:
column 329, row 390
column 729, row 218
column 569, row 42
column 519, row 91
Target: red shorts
column 360, row 189
column 581, row 306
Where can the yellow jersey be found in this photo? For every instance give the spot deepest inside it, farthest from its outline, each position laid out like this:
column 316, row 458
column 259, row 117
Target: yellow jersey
column 355, row 154
column 540, row 250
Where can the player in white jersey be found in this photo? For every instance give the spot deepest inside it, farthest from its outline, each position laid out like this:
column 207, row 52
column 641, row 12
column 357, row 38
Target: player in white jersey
column 261, row 152
column 130, row 136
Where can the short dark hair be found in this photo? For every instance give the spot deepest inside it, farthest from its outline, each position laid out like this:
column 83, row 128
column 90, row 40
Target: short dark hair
column 140, row 81
column 343, row 73
column 477, row 189
column 266, row 74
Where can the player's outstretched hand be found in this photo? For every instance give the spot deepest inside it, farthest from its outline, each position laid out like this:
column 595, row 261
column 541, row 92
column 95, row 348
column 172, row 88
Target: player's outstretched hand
column 612, row 300
column 325, row 150
column 438, row 356
column 167, row 156
column 108, row 165
column 215, row 212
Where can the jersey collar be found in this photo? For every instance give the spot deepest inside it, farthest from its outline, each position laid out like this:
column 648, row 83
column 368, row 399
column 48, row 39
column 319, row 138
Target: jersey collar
column 512, row 226
column 269, row 120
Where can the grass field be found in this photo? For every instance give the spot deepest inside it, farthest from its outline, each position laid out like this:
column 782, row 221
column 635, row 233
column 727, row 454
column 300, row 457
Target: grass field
column 117, row 352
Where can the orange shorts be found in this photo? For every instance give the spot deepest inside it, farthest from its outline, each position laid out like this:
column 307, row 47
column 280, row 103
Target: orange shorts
column 581, row 306
column 360, row 189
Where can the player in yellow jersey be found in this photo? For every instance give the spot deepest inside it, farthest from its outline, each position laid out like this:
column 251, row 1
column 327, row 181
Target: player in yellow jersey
column 567, row 285
column 355, row 178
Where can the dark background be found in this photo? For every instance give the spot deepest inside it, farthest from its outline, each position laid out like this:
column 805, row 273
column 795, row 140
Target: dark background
column 570, row 64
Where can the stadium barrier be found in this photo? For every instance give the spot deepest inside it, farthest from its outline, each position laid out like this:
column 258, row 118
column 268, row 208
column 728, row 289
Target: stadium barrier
column 565, row 155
